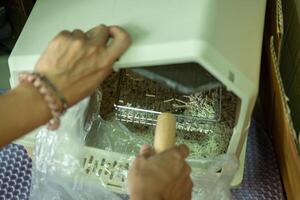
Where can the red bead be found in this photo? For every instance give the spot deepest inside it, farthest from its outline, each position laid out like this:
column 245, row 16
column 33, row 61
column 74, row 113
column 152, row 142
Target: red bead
column 49, row 98
column 53, row 124
column 37, row 83
column 43, row 90
column 56, row 114
column 53, row 106
column 30, row 78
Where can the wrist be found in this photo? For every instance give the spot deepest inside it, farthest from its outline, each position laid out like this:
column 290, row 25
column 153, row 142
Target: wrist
column 31, row 94
column 56, row 102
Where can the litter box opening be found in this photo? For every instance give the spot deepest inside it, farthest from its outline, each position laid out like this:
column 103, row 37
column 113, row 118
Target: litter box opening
column 126, row 136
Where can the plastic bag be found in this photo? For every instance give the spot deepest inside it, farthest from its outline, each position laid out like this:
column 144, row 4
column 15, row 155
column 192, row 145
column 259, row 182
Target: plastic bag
column 57, row 168
column 212, row 177
column 59, row 173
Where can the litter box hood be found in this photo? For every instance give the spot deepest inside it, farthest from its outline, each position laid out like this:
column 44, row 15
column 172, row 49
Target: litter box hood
column 223, row 36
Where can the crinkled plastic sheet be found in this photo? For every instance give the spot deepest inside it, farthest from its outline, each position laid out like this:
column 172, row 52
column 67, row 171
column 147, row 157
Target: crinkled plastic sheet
column 58, row 171
column 110, row 135
column 212, row 177
column 57, row 168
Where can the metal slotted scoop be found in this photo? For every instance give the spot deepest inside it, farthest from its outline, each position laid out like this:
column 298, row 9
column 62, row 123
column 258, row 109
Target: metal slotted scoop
column 140, row 101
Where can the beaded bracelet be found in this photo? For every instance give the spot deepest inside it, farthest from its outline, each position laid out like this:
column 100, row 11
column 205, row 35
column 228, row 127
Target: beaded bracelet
column 51, row 95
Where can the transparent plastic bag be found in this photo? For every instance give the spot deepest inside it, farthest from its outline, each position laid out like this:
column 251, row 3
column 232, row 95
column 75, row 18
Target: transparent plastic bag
column 212, row 177
column 110, row 135
column 57, row 168
column 59, row 173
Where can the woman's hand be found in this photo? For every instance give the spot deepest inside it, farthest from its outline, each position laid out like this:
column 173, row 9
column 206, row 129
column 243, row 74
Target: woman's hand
column 164, row 176
column 77, row 62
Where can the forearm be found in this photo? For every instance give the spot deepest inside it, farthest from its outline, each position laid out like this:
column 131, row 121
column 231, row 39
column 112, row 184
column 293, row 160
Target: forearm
column 22, row 110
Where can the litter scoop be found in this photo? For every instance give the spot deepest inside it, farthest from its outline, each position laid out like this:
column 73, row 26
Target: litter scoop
column 140, row 100
column 165, row 132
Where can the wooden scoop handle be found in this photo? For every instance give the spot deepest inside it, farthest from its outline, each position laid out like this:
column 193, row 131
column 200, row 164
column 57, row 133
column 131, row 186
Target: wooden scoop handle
column 165, row 132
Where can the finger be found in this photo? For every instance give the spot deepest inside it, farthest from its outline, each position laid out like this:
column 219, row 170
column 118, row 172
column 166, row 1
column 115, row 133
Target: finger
column 63, row 35
column 120, row 42
column 98, row 35
column 78, row 34
column 60, row 45
column 188, row 190
column 183, row 185
column 185, row 172
column 146, row 151
column 183, row 150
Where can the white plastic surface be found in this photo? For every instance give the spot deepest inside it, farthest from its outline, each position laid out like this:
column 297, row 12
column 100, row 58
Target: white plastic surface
column 224, row 36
